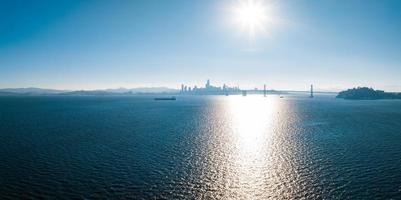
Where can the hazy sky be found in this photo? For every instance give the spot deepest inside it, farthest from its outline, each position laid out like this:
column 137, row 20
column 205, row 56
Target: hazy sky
column 107, row 44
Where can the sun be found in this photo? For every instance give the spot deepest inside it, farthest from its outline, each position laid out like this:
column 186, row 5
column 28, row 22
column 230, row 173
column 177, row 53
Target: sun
column 253, row 17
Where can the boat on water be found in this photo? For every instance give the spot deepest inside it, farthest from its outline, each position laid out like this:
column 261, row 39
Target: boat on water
column 165, row 98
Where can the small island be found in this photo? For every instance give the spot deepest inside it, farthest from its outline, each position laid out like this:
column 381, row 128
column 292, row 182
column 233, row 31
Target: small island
column 365, row 93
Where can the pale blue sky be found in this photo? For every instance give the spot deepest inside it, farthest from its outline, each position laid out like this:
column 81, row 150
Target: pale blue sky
column 132, row 43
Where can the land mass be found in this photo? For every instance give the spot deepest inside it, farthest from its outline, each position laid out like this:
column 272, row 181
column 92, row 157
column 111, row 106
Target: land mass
column 118, row 91
column 365, row 93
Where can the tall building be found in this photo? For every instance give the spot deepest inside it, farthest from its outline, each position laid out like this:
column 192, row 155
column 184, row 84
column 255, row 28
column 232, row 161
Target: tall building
column 264, row 90
column 311, row 91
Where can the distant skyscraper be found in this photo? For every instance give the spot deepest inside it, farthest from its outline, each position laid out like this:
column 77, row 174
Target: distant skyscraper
column 264, row 90
column 311, row 91
column 207, row 83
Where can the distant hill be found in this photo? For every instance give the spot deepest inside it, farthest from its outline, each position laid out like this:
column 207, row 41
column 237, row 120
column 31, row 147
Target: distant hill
column 31, row 90
column 88, row 92
column 118, row 91
column 143, row 90
column 365, row 93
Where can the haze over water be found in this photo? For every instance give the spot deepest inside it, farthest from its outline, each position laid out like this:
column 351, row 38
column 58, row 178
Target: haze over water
column 208, row 147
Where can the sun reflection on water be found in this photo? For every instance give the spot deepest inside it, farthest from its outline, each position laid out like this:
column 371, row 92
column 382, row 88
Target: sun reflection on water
column 247, row 155
column 252, row 120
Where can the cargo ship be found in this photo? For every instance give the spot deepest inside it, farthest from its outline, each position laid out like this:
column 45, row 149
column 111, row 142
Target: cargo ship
column 165, row 98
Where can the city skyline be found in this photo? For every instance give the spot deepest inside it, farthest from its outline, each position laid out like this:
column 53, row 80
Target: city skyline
column 209, row 89
column 74, row 45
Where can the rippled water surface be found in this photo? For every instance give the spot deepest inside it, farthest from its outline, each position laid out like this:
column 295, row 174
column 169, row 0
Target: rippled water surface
column 212, row 147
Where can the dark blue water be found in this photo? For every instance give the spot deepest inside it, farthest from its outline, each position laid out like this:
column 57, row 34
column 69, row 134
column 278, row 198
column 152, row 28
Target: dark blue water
column 199, row 147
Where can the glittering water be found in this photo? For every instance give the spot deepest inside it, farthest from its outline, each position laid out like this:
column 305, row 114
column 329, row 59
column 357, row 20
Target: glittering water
column 212, row 147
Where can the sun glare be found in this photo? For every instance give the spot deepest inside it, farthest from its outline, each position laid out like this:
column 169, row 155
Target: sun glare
column 253, row 17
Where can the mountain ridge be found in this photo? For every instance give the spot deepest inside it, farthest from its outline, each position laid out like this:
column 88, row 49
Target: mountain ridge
column 111, row 91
